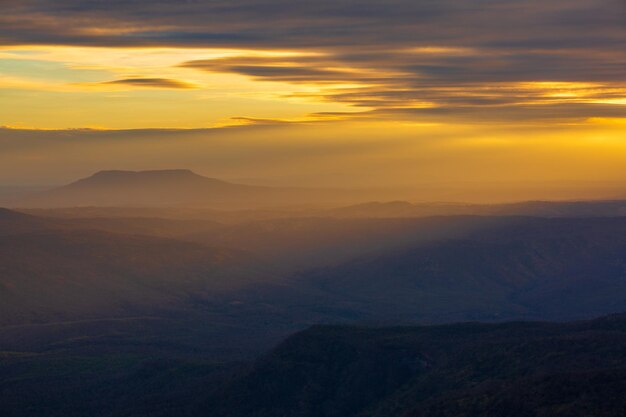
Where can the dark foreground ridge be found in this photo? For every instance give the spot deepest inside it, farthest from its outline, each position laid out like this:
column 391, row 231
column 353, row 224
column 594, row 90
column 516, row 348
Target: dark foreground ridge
column 513, row 369
column 472, row 369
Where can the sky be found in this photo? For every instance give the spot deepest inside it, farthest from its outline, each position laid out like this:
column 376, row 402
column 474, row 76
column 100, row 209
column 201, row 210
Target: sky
column 368, row 93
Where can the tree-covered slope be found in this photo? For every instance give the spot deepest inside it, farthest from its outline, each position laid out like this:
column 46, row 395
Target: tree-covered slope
column 498, row 370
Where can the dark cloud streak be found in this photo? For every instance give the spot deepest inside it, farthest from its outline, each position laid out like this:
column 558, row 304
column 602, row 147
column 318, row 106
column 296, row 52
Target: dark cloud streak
column 152, row 83
column 323, row 23
column 486, row 47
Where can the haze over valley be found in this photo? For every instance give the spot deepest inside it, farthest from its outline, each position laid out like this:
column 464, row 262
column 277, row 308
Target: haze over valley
column 85, row 284
column 330, row 208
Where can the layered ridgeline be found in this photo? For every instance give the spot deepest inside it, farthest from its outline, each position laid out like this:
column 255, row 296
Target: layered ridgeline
column 139, row 316
column 526, row 208
column 444, row 269
column 56, row 270
column 426, row 270
column 503, row 268
column 184, row 188
column 179, row 187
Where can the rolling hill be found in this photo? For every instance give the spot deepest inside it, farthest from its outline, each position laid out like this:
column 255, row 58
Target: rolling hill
column 54, row 270
column 309, row 242
column 427, row 270
column 12, row 222
column 520, row 268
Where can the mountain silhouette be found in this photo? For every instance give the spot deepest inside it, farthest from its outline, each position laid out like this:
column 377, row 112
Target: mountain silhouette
column 143, row 188
column 176, row 187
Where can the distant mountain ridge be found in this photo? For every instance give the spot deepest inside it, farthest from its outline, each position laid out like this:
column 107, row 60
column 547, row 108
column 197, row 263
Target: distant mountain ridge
column 143, row 188
column 185, row 188
column 167, row 177
column 557, row 269
column 14, row 222
column 592, row 208
column 176, row 187
column 56, row 275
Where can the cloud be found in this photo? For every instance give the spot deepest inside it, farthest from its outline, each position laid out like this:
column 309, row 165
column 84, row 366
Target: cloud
column 323, row 23
column 311, row 69
column 392, row 56
column 485, row 83
column 152, row 83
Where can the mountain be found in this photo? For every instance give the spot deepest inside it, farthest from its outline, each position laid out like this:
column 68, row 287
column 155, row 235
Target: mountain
column 493, row 370
column 13, row 222
column 141, row 188
column 368, row 210
column 179, row 187
column 308, row 242
column 14, row 218
column 600, row 208
column 53, row 274
column 507, row 369
column 522, row 268
column 427, row 270
column 131, row 317
column 135, row 281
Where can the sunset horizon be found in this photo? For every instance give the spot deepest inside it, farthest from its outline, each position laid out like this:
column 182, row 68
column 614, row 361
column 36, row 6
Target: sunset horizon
column 335, row 92
column 312, row 208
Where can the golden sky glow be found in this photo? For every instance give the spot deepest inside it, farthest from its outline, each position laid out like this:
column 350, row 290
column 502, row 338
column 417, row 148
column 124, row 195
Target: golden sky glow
column 126, row 88
column 414, row 91
column 99, row 82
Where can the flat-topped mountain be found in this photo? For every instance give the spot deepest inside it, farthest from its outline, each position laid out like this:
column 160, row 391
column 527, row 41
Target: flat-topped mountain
column 177, row 187
column 145, row 188
column 147, row 178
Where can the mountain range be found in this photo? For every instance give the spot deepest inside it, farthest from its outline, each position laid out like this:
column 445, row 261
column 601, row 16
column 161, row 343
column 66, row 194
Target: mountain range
column 520, row 268
column 426, row 270
column 169, row 311
column 179, row 192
